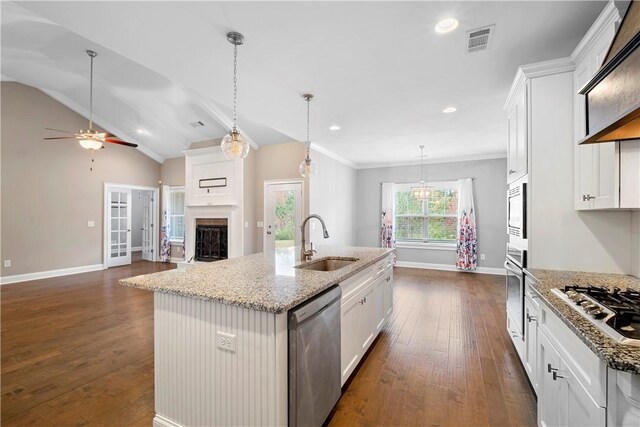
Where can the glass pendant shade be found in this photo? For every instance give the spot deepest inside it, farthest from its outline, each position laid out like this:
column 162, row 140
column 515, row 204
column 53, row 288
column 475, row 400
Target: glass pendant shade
column 308, row 167
column 421, row 192
column 234, row 146
column 90, row 144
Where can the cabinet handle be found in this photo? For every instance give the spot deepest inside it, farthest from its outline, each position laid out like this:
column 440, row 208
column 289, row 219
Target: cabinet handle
column 550, row 368
column 512, row 171
column 556, row 376
column 531, row 318
column 587, row 197
column 388, row 278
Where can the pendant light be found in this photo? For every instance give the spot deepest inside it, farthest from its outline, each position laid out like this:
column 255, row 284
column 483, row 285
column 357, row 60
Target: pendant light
column 308, row 167
column 91, row 143
column 421, row 192
column 234, row 145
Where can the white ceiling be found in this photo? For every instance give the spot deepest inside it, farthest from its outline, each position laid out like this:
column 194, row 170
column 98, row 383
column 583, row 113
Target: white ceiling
column 377, row 69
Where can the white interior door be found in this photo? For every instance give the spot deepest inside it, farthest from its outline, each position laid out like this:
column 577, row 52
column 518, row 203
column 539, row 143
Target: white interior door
column 147, row 226
column 119, row 226
column 283, row 215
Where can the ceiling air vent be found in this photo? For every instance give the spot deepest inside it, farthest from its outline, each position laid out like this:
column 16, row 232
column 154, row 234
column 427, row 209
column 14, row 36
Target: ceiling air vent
column 197, row 124
column 480, row 38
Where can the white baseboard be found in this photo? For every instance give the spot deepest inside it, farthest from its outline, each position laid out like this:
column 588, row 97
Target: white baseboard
column 448, row 267
column 160, row 421
column 136, row 249
column 5, row 280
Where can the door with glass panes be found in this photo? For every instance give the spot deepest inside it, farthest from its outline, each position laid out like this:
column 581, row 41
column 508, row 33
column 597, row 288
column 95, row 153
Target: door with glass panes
column 119, row 226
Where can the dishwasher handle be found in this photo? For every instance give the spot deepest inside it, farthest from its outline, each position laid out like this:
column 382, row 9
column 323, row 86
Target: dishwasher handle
column 303, row 312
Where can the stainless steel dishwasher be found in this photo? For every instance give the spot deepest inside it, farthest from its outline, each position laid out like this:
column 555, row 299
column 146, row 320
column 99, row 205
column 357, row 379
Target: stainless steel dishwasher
column 314, row 359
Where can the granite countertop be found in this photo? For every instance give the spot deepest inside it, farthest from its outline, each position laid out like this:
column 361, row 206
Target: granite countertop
column 617, row 356
column 264, row 281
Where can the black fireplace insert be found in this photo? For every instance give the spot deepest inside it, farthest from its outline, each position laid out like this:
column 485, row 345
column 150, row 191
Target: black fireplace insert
column 211, row 243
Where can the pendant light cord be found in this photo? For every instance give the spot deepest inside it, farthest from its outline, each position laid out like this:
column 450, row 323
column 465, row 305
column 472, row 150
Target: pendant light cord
column 235, row 85
column 308, row 121
column 91, row 95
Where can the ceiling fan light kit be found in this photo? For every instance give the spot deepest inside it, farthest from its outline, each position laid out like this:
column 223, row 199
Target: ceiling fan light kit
column 91, row 139
column 234, row 145
column 308, row 167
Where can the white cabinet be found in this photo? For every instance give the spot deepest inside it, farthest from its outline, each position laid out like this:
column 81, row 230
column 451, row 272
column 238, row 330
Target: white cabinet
column 529, row 359
column 596, row 166
column 366, row 306
column 562, row 399
column 517, row 134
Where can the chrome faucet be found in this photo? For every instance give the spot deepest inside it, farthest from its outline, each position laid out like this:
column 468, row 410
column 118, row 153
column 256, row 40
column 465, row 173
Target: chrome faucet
column 305, row 255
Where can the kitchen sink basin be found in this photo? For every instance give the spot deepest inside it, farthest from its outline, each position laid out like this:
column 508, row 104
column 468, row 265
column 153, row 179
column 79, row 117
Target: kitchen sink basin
column 327, row 264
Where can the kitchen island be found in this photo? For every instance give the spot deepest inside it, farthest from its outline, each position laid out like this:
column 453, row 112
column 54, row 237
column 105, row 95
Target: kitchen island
column 220, row 330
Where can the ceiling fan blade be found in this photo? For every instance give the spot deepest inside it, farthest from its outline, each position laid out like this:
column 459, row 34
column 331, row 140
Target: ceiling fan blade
column 58, row 130
column 61, row 137
column 117, row 141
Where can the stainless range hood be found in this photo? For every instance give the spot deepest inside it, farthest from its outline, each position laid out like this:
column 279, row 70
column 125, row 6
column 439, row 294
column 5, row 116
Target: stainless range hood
column 612, row 97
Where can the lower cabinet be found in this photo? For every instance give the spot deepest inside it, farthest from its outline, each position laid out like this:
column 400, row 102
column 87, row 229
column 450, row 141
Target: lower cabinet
column 529, row 357
column 562, row 400
column 367, row 303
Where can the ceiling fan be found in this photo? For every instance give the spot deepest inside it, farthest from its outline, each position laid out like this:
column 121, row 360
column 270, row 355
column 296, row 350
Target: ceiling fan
column 91, row 139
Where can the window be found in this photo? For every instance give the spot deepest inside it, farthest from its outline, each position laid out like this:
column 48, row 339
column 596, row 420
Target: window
column 431, row 220
column 176, row 214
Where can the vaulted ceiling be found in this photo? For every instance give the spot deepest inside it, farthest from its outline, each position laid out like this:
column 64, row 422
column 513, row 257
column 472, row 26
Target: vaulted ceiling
column 377, row 69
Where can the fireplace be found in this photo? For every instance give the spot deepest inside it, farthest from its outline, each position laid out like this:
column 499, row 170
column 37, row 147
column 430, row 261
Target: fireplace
column 211, row 241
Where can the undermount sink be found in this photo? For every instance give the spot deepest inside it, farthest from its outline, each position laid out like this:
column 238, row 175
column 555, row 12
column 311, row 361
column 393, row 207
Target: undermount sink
column 327, row 264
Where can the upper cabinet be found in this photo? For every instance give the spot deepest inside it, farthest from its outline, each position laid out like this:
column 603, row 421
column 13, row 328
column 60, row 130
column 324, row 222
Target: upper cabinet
column 603, row 173
column 596, row 166
column 517, row 134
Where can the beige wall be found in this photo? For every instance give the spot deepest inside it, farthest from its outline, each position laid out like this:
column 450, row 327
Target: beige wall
column 48, row 192
column 172, row 172
column 277, row 161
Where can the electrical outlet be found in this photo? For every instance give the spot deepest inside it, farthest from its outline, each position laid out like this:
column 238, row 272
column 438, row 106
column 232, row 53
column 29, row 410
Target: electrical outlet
column 226, row 341
column 246, row 224
column 7, row 263
column 482, row 257
column 91, row 223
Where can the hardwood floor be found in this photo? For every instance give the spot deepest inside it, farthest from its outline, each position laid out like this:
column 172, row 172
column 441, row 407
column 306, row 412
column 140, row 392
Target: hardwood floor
column 78, row 350
column 444, row 359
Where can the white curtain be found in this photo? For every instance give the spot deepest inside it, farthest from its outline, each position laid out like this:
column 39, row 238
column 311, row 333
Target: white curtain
column 467, row 247
column 387, row 226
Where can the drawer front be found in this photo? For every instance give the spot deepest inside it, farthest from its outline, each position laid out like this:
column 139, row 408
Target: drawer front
column 585, row 365
column 516, row 337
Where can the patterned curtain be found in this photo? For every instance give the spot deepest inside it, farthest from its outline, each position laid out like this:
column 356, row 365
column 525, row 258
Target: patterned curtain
column 165, row 243
column 387, row 216
column 467, row 247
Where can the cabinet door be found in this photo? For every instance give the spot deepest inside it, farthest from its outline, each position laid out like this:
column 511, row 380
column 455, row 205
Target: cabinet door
column 521, row 141
column 579, row 410
column 388, row 294
column 349, row 337
column 512, row 137
column 606, row 176
column 366, row 321
column 583, row 174
column 549, row 404
column 531, row 342
column 379, row 299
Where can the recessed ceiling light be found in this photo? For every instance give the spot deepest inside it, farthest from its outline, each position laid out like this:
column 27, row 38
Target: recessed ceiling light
column 446, row 25
column 141, row 131
column 450, row 110
column 334, row 127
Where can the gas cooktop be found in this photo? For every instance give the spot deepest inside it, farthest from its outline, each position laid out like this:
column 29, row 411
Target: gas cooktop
column 615, row 312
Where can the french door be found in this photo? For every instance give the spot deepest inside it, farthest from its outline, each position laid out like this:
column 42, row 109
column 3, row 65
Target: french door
column 283, row 215
column 147, row 226
column 119, row 226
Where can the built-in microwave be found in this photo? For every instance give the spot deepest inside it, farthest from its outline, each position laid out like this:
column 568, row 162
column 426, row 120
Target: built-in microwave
column 517, row 214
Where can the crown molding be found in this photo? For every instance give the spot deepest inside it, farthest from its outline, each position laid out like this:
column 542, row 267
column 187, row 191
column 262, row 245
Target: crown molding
column 538, row 69
column 490, row 156
column 333, row 156
column 608, row 16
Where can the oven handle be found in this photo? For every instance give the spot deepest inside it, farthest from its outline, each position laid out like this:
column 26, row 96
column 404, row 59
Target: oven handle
column 507, row 264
